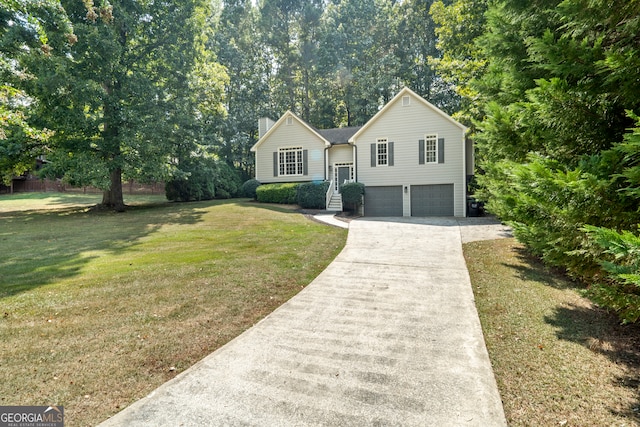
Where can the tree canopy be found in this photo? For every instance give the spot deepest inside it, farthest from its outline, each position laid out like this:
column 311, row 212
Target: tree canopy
column 115, row 96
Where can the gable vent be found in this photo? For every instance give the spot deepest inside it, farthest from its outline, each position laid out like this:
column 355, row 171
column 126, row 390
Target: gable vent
column 406, row 100
column 289, row 121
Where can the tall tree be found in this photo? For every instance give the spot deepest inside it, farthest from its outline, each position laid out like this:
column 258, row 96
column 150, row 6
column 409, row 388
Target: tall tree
column 458, row 26
column 240, row 48
column 289, row 28
column 353, row 61
column 418, row 53
column 30, row 32
column 120, row 104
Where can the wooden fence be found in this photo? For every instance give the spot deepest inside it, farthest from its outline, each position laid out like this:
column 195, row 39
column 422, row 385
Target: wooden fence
column 33, row 185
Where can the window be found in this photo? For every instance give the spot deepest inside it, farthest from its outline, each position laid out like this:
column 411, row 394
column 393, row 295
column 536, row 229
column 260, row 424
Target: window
column 382, row 152
column 431, row 148
column 290, row 161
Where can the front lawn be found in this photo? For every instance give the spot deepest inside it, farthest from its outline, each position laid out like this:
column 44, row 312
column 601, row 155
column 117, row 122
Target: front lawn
column 558, row 360
column 99, row 308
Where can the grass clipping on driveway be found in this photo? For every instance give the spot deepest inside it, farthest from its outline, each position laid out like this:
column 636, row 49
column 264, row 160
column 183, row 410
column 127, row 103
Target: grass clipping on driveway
column 99, row 308
column 558, row 360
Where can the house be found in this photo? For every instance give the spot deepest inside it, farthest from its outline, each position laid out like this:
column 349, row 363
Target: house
column 413, row 158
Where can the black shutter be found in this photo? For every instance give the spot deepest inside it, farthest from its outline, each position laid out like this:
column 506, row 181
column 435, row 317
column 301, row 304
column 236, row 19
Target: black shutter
column 305, row 163
column 440, row 150
column 275, row 163
column 390, row 153
column 421, row 151
column 374, row 155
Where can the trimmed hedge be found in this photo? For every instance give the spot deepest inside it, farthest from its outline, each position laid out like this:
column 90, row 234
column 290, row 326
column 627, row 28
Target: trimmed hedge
column 312, row 195
column 284, row 193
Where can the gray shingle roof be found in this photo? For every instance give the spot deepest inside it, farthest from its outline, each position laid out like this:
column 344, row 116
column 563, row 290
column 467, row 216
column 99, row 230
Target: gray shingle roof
column 338, row 135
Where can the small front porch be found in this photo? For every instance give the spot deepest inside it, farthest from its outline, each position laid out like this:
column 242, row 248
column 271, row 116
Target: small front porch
column 340, row 173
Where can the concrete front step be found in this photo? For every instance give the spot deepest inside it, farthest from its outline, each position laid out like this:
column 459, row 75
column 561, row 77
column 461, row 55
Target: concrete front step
column 335, row 204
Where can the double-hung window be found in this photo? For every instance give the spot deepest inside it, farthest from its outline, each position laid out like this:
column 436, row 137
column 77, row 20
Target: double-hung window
column 290, row 161
column 382, row 152
column 431, row 148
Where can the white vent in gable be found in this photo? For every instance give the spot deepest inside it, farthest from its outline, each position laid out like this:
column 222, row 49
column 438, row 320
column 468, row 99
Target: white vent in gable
column 289, row 121
column 406, row 100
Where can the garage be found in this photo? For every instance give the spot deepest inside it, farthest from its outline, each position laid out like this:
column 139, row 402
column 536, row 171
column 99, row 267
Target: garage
column 432, row 200
column 383, row 201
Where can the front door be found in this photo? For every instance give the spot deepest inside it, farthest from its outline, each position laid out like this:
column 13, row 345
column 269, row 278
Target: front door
column 344, row 174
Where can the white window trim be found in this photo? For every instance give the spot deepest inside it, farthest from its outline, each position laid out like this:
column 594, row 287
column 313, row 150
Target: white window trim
column 428, row 138
column 282, row 166
column 379, row 142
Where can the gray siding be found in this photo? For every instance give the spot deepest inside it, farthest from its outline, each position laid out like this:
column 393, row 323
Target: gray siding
column 340, row 154
column 293, row 135
column 406, row 126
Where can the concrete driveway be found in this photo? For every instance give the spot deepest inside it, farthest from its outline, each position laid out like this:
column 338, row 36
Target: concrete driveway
column 387, row 335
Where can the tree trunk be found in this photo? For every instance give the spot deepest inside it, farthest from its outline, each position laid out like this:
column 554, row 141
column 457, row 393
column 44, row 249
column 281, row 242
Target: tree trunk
column 112, row 198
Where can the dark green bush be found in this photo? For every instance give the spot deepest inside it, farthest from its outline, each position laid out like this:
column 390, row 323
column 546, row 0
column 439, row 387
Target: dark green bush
column 312, row 195
column 194, row 182
column 249, row 188
column 352, row 193
column 226, row 181
column 567, row 217
column 285, row 193
column 621, row 260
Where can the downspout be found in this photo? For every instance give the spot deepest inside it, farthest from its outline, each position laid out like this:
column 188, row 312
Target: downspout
column 464, row 172
column 326, row 164
column 355, row 161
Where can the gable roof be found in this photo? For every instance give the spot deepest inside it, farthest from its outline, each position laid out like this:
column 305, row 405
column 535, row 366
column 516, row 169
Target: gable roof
column 403, row 92
column 328, row 136
column 279, row 123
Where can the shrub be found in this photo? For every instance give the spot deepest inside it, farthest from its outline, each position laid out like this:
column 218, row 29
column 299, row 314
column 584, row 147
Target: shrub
column 249, row 188
column 352, row 193
column 195, row 182
column 226, row 181
column 285, row 193
column 312, row 195
column 621, row 260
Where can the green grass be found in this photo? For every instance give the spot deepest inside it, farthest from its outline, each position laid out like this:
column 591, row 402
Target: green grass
column 99, row 308
column 52, row 200
column 558, row 359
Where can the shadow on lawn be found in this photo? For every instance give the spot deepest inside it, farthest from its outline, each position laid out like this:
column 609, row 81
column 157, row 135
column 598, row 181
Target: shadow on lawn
column 531, row 268
column 602, row 333
column 41, row 247
column 589, row 326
